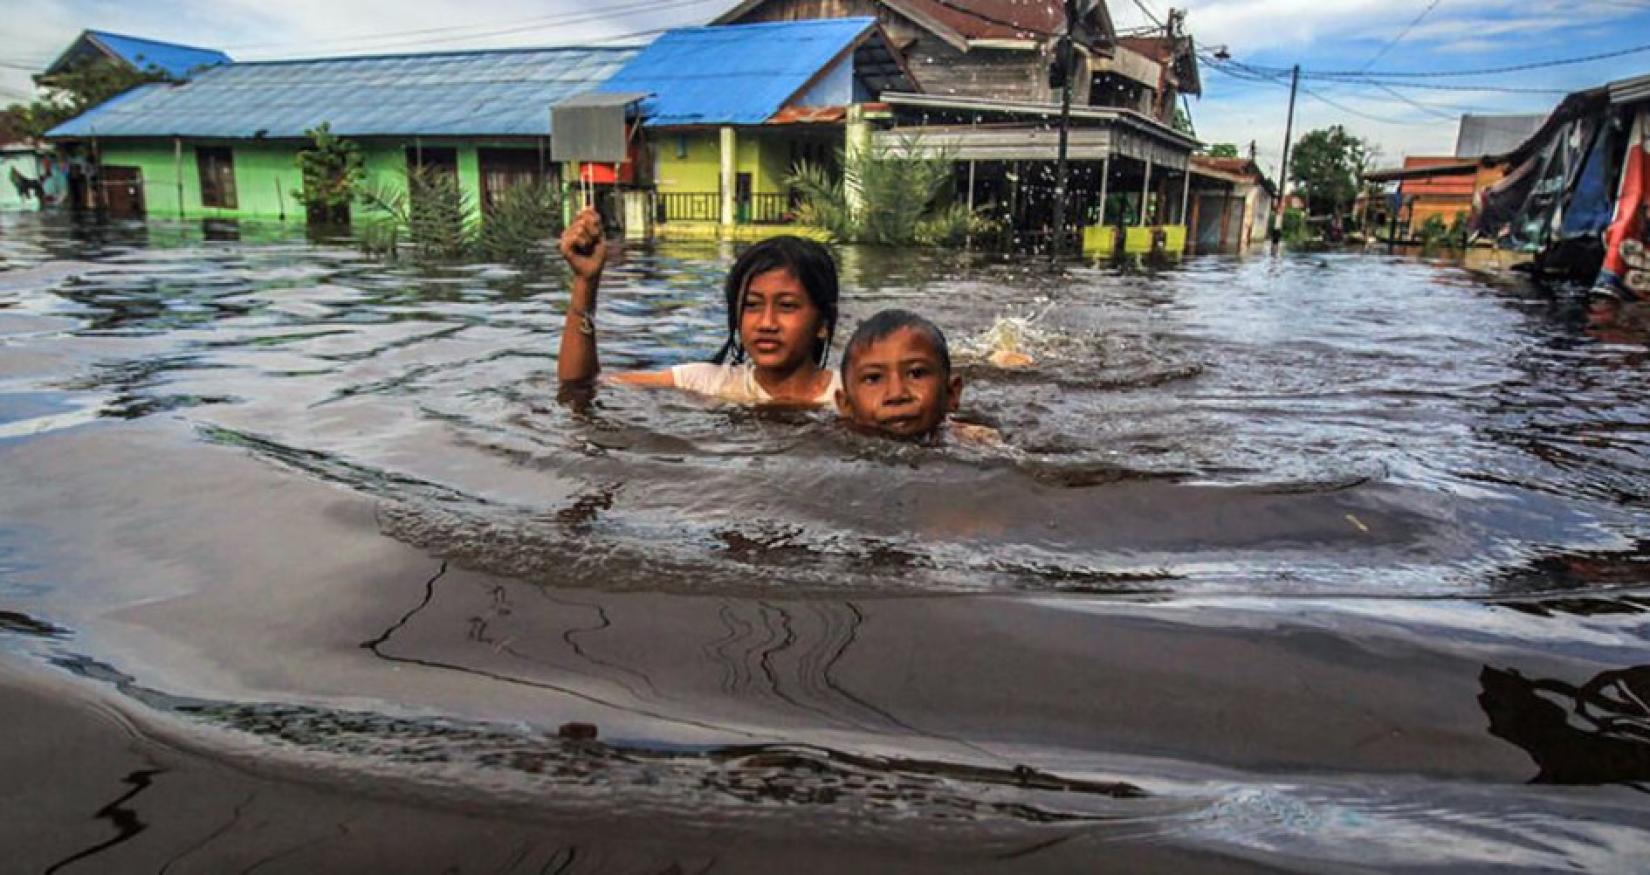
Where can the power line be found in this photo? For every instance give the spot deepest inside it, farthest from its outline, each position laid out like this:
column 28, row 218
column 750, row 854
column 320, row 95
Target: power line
column 1435, row 86
column 1486, row 71
column 1412, row 102
column 1271, row 79
column 499, row 28
column 1152, row 16
column 562, row 22
column 1401, row 34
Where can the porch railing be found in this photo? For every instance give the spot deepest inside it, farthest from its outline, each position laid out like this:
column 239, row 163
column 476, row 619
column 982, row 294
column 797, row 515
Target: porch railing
column 757, row 209
column 689, row 207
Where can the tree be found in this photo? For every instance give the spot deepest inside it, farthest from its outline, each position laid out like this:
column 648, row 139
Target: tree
column 72, row 92
column 1223, row 150
column 333, row 170
column 1326, row 168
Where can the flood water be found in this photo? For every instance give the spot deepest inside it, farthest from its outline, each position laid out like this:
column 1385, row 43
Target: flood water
column 1327, row 561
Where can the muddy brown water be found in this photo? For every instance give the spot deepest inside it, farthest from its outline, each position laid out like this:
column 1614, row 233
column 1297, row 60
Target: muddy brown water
column 1315, row 562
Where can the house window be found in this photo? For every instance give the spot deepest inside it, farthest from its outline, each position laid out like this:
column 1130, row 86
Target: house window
column 438, row 159
column 504, row 169
column 217, row 171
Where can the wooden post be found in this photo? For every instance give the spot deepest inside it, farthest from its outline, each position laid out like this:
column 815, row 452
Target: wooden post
column 971, row 185
column 729, row 148
column 177, row 170
column 1145, row 192
column 1225, row 218
column 1191, row 225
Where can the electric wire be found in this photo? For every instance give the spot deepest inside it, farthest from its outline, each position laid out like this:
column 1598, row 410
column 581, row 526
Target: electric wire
column 1401, row 34
column 496, row 29
column 1150, row 15
column 511, row 31
column 1485, row 71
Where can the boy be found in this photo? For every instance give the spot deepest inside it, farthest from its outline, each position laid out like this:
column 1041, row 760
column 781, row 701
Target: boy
column 897, row 379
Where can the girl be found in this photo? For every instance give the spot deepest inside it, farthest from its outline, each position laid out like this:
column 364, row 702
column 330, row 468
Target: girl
column 782, row 310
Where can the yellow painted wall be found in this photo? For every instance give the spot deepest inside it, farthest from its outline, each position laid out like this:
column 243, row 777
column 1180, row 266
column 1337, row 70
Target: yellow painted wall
column 690, row 162
column 1100, row 239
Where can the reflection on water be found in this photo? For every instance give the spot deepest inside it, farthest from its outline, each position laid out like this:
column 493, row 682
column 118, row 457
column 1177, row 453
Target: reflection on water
column 1595, row 733
column 1268, row 539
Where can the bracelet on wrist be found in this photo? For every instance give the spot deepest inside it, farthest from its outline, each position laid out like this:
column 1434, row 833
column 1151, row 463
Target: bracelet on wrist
column 586, row 321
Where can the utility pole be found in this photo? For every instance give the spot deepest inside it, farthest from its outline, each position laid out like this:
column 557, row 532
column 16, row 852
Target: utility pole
column 1283, row 175
column 1062, row 173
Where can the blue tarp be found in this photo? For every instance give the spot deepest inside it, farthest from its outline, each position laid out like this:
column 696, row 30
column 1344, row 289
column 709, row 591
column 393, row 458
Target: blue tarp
column 1593, row 202
column 172, row 59
column 461, row 94
column 736, row 75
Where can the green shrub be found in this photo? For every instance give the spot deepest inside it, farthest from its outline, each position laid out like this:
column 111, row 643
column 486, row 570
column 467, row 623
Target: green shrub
column 433, row 216
column 1294, row 227
column 903, row 200
column 1434, row 234
column 521, row 225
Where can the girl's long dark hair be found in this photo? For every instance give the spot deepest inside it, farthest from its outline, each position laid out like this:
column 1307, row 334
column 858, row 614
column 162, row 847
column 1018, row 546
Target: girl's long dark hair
column 814, row 268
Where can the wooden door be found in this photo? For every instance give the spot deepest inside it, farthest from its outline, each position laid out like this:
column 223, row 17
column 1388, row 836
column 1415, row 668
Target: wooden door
column 123, row 192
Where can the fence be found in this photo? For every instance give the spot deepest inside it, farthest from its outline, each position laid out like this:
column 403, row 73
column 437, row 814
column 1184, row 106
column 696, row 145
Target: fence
column 757, row 209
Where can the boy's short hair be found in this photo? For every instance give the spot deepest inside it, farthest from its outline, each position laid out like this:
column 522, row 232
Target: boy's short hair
column 886, row 323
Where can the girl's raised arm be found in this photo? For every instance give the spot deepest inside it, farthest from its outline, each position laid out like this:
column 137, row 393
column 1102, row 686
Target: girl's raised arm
column 585, row 249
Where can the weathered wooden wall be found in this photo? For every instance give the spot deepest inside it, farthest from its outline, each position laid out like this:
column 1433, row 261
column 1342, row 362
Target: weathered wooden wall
column 998, row 74
column 939, row 67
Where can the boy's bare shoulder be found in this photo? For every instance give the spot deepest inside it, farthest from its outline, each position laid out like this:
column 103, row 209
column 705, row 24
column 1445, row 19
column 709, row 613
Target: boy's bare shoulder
column 972, row 434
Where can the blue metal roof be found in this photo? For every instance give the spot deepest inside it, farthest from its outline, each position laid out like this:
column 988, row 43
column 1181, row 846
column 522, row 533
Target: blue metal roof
column 468, row 94
column 174, row 60
column 733, row 75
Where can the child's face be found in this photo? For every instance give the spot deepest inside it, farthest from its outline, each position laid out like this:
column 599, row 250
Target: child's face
column 778, row 322
column 898, row 386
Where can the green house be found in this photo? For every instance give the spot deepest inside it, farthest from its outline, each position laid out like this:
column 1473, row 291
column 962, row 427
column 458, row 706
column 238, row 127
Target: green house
column 224, row 143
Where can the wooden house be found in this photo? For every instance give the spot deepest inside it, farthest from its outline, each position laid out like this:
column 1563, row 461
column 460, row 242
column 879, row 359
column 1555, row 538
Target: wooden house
column 991, row 49
column 1231, row 204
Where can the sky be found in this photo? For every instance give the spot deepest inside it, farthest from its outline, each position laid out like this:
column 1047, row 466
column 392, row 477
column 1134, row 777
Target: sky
column 1377, row 36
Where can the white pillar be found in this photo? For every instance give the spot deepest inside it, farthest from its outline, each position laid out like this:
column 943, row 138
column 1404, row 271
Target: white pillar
column 1105, row 181
column 1186, row 194
column 855, row 148
column 730, row 146
column 1146, row 192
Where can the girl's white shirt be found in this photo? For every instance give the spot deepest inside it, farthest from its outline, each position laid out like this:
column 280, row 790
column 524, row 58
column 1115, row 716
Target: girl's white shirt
column 737, row 384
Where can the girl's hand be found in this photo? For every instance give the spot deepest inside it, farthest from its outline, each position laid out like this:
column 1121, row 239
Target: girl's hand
column 584, row 246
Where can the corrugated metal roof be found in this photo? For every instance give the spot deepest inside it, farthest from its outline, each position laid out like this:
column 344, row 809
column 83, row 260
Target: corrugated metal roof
column 468, row 94
column 175, row 60
column 1482, row 135
column 1630, row 90
column 733, row 75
